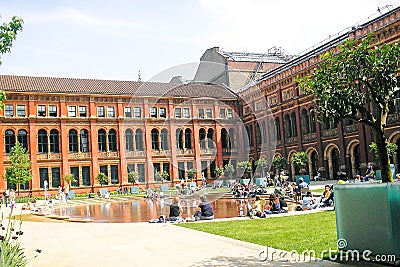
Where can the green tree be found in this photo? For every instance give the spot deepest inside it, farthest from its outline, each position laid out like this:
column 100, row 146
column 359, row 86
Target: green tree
column 229, row 170
column 191, row 173
column 69, row 179
column 219, row 171
column 133, row 177
column 8, row 33
column 300, row 160
column 162, row 175
column 20, row 170
column 102, row 178
column 262, row 164
column 358, row 81
column 279, row 162
column 244, row 166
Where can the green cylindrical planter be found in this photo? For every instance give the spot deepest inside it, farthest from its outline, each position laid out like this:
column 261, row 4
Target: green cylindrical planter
column 368, row 217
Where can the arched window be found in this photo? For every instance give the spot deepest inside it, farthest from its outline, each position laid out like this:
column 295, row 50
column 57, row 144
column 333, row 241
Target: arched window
column 278, row 129
column 293, row 124
column 112, row 140
column 42, row 141
column 312, row 121
column 249, row 130
column 210, row 138
column 164, row 139
column 84, row 140
column 258, row 134
column 202, row 137
column 305, row 122
column 73, row 141
column 287, row 126
column 54, row 142
column 232, row 137
column 154, row 140
column 9, row 140
column 179, row 138
column 129, row 140
column 224, row 138
column 23, row 138
column 139, row 139
column 101, row 140
column 188, row 139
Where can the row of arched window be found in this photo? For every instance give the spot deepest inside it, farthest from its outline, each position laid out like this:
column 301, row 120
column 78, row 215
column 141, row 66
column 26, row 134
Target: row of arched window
column 49, row 142
column 159, row 139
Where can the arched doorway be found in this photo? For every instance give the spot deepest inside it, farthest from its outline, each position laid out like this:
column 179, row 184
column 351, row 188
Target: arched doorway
column 313, row 163
column 353, row 151
column 332, row 155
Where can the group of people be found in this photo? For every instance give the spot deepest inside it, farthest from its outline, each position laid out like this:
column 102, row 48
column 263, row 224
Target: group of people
column 249, row 190
column 204, row 212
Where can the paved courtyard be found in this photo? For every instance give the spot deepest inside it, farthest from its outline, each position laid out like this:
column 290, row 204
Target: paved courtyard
column 142, row 244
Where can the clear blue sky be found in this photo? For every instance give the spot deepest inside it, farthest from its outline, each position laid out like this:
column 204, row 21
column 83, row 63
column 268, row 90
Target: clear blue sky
column 117, row 38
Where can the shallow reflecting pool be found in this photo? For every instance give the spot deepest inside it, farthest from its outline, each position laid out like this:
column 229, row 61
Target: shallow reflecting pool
column 142, row 210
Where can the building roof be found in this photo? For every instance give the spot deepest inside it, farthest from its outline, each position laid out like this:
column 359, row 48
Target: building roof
column 111, row 87
column 274, row 54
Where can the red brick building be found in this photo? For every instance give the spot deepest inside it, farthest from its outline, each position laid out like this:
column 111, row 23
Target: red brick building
column 330, row 147
column 84, row 127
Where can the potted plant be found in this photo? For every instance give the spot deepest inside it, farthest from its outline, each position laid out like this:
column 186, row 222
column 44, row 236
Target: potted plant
column 300, row 161
column 244, row 167
column 219, row 171
column 228, row 171
column 357, row 81
column 261, row 165
column 102, row 179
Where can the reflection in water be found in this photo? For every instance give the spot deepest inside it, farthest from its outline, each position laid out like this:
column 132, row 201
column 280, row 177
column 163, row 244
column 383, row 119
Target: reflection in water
column 142, row 210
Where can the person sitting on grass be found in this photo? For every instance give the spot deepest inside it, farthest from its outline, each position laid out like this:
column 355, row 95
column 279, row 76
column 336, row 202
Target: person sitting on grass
column 175, row 211
column 309, row 202
column 288, row 190
column 275, row 204
column 257, row 208
column 205, row 210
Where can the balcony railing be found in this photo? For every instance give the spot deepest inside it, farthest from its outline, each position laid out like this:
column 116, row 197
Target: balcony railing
column 49, row 156
column 161, row 153
column 136, row 153
column 79, row 155
column 310, row 137
column 393, row 118
column 109, row 154
column 330, row 133
column 206, row 151
column 351, row 128
column 291, row 141
column 229, row 150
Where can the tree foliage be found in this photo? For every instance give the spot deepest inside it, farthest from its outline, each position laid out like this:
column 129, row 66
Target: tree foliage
column 133, row 177
column 102, row 178
column 191, row 173
column 279, row 162
column 20, row 170
column 357, row 80
column 8, row 33
column 219, row 170
column 244, row 166
column 229, row 169
column 391, row 149
column 300, row 159
column 69, row 179
column 262, row 164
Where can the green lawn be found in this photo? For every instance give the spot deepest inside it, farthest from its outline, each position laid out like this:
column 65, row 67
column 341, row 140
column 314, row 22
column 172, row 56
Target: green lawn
column 315, row 231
